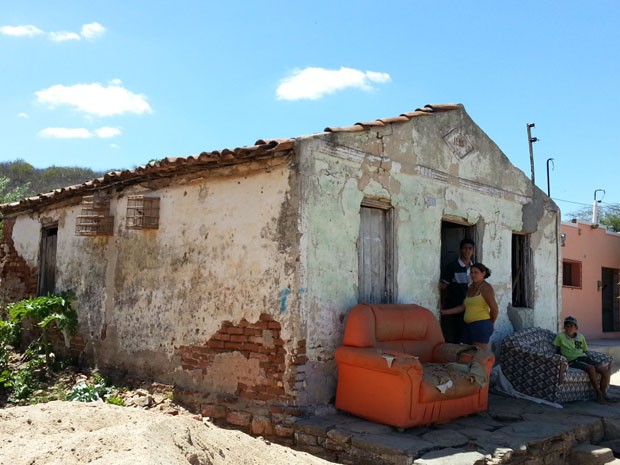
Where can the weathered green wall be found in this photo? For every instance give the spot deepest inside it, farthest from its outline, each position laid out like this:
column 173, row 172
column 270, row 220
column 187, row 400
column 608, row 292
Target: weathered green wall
column 430, row 168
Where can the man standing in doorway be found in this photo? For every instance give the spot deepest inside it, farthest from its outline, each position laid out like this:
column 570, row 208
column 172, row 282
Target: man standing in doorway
column 453, row 286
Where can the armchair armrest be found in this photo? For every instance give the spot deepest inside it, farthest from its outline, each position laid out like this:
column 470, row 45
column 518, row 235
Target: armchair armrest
column 377, row 385
column 602, row 358
column 518, row 362
column 376, row 359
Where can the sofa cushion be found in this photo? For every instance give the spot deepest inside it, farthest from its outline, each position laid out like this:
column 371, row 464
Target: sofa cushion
column 446, row 381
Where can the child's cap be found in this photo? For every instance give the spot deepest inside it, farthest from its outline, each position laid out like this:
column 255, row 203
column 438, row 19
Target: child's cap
column 570, row 320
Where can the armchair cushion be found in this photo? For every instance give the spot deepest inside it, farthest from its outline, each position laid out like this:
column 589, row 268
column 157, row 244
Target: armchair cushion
column 531, row 363
column 395, row 368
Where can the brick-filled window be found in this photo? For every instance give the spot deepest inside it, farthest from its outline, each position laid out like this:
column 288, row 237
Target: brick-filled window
column 571, row 273
column 142, row 212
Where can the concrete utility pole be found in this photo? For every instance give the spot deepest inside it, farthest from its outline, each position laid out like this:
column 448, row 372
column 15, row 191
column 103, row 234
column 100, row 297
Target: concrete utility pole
column 530, row 141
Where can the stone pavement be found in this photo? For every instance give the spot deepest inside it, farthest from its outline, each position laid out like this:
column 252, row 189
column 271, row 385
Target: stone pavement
column 512, row 431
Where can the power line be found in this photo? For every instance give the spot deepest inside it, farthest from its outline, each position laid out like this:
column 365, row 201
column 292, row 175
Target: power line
column 569, row 201
column 584, row 204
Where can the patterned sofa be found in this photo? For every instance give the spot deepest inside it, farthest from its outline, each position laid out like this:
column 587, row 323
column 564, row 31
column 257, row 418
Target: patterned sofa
column 395, row 368
column 531, row 363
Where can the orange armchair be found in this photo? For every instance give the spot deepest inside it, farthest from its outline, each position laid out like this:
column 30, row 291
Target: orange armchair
column 395, row 368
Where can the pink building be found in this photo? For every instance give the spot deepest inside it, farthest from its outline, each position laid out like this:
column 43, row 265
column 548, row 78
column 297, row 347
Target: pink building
column 590, row 265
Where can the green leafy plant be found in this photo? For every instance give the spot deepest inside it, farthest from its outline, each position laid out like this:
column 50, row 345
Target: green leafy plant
column 115, row 400
column 53, row 310
column 87, row 392
column 36, row 363
column 95, row 390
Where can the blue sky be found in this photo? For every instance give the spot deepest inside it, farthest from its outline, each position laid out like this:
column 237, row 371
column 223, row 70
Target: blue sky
column 115, row 84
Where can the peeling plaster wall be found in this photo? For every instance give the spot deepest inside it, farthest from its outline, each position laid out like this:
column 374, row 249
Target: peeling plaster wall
column 27, row 231
column 214, row 257
column 225, row 250
column 432, row 167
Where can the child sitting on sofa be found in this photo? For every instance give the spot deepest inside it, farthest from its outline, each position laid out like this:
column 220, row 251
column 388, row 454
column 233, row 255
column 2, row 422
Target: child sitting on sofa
column 573, row 346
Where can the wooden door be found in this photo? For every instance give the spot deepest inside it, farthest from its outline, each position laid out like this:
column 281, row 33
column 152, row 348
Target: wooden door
column 609, row 295
column 47, row 262
column 376, row 256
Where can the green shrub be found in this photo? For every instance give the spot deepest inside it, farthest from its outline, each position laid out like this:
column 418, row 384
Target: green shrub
column 115, row 400
column 86, row 392
column 36, row 363
column 47, row 311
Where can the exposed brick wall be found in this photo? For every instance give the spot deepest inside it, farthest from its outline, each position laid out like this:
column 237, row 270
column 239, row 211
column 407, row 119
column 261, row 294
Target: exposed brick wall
column 266, row 407
column 17, row 279
column 77, row 343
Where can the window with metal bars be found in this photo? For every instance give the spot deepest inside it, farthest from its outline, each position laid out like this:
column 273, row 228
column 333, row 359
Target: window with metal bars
column 142, row 212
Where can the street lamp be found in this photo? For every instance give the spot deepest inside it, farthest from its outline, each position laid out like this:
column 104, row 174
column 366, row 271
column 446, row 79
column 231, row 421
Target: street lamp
column 548, row 185
column 530, row 141
column 595, row 207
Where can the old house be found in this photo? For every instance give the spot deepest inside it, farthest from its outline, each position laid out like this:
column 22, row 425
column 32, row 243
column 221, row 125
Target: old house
column 591, row 267
column 230, row 274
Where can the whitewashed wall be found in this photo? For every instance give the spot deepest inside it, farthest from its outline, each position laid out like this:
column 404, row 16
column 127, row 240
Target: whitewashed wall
column 223, row 251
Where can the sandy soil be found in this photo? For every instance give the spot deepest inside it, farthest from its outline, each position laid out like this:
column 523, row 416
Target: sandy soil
column 76, row 433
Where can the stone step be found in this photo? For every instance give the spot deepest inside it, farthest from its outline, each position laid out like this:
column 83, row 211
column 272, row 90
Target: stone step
column 591, row 454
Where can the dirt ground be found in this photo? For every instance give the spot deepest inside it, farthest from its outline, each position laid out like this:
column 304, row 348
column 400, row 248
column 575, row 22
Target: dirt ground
column 77, row 433
column 150, row 430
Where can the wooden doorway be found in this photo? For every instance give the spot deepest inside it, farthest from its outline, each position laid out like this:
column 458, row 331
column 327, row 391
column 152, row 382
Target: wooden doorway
column 47, row 261
column 376, row 253
column 452, row 233
column 609, row 295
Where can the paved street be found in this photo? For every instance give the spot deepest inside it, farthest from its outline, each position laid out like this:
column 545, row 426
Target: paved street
column 513, row 431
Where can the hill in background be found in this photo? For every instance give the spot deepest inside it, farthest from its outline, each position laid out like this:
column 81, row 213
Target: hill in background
column 26, row 180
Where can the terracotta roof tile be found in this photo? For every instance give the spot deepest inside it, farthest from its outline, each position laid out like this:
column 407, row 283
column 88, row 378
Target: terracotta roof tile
column 354, row 128
column 168, row 166
column 394, row 119
column 403, row 118
column 164, row 167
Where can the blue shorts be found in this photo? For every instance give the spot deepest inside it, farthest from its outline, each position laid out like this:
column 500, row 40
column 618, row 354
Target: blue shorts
column 478, row 332
column 582, row 363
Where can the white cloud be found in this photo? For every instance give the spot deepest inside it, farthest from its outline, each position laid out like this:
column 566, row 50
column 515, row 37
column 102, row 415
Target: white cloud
column 63, row 36
column 314, row 83
column 79, row 133
column 20, row 31
column 92, row 30
column 23, row 115
column 89, row 31
column 107, row 132
column 65, row 133
column 95, row 99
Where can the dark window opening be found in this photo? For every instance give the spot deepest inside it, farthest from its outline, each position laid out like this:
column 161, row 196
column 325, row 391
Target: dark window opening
column 571, row 273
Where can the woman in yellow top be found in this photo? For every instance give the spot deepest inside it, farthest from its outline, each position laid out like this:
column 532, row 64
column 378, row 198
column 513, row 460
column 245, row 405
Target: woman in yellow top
column 480, row 308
